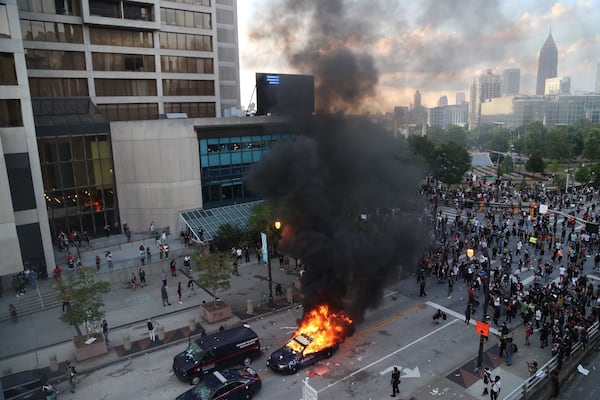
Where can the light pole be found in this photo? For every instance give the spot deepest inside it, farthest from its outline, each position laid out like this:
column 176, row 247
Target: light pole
column 277, row 226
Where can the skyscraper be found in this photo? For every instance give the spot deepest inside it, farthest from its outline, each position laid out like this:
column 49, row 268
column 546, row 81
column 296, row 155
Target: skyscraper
column 460, row 97
column 597, row 88
column 442, row 101
column 511, row 80
column 547, row 64
column 417, row 100
column 483, row 87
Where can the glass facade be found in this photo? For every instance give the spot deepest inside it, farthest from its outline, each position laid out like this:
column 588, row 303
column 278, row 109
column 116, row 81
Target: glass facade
column 181, row 87
column 62, row 7
column 189, row 19
column 225, row 160
column 129, row 111
column 58, row 87
column 51, row 31
column 55, row 59
column 79, row 186
column 121, row 9
column 10, row 113
column 125, row 87
column 193, row 110
column 185, row 41
column 187, row 64
column 8, row 73
column 121, row 37
column 122, row 62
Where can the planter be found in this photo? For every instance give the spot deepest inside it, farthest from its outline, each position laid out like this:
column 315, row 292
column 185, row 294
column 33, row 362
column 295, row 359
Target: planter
column 214, row 312
column 85, row 348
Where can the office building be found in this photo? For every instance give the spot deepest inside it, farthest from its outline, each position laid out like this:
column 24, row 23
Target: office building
column 511, row 81
column 72, row 68
column 442, row 101
column 483, row 87
column 460, row 97
column 455, row 114
column 597, row 86
column 547, row 64
column 558, row 85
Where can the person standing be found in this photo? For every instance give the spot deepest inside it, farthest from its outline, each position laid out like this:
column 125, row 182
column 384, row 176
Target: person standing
column 71, row 376
column 468, row 314
column 109, row 260
column 105, row 331
column 66, row 300
column 173, row 266
column 12, row 311
column 151, row 331
column 97, row 262
column 450, row 284
column 487, row 377
column 164, row 295
column 133, row 281
column 149, row 254
column 496, row 386
column 142, row 275
column 166, row 248
column 190, row 285
column 142, row 250
column 395, row 381
column 163, row 276
column 179, row 293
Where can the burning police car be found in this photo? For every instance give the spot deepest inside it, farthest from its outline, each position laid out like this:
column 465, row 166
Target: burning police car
column 296, row 354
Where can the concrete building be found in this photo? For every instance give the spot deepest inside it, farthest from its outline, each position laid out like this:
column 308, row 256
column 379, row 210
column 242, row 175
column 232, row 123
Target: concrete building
column 442, row 101
column 455, row 114
column 70, row 68
column 460, row 97
column 597, row 86
column 558, row 85
column 511, row 81
column 552, row 110
column 483, row 87
column 547, row 64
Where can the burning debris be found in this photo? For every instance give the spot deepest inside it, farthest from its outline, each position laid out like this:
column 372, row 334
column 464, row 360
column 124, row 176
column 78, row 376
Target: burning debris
column 320, row 328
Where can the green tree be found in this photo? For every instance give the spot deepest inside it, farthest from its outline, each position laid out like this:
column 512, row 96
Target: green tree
column 85, row 293
column 452, row 161
column 583, row 174
column 228, row 236
column 576, row 135
column 508, row 164
column 456, row 134
column 535, row 163
column 557, row 146
column 423, row 149
column 592, row 144
column 535, row 138
column 214, row 273
column 499, row 140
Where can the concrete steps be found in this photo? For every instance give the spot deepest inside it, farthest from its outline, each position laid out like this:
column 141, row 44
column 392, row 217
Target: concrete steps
column 30, row 303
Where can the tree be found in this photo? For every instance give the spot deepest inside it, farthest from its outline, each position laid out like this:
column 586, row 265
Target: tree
column 583, row 174
column 557, row 146
column 452, row 161
column 213, row 272
column 535, row 138
column 85, row 294
column 535, row 163
column 228, row 236
column 423, row 148
column 592, row 144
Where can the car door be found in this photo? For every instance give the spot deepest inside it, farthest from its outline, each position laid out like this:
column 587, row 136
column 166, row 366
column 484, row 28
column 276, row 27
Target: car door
column 231, row 391
column 208, row 362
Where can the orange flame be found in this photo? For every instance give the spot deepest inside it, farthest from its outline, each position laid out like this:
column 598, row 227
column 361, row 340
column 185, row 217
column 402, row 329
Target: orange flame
column 323, row 326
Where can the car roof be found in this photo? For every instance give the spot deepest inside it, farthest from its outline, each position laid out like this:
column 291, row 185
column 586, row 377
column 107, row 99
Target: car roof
column 228, row 336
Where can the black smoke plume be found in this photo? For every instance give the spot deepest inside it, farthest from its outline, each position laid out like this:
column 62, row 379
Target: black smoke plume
column 321, row 185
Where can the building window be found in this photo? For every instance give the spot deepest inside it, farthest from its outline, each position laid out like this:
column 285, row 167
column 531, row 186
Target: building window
column 122, row 10
column 4, row 28
column 122, row 62
column 77, row 172
column 8, row 74
column 180, row 87
column 10, row 113
column 125, row 87
column 54, row 59
column 121, row 37
column 185, row 41
column 205, row 3
column 51, row 31
column 62, row 7
column 20, row 181
column 187, row 65
column 189, row 19
column 193, row 110
column 58, row 87
column 129, row 112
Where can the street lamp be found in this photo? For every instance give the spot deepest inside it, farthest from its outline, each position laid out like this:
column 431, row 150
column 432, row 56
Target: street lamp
column 277, row 225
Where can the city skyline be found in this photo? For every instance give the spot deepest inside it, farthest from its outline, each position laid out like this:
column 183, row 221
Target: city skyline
column 425, row 46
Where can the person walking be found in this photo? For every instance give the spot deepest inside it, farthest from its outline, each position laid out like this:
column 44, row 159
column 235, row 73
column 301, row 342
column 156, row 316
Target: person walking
column 142, row 275
column 151, row 331
column 97, row 262
column 165, row 296
column 496, row 386
column 71, row 376
column 105, row 331
column 395, row 381
column 133, row 281
column 190, row 286
column 166, row 248
column 149, row 254
column 173, row 267
column 142, row 250
column 179, row 293
column 66, row 300
column 468, row 314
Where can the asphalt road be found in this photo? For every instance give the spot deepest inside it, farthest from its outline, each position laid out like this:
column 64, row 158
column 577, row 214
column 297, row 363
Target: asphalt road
column 582, row 387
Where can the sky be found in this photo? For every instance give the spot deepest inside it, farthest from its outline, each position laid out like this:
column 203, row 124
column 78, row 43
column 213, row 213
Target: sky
column 372, row 55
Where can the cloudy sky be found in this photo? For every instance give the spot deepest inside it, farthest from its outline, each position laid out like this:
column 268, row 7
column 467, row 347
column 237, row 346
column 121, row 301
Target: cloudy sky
column 384, row 49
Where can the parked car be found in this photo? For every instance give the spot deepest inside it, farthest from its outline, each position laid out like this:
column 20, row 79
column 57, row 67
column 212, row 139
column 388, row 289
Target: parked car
column 288, row 360
column 213, row 352
column 230, row 384
column 25, row 385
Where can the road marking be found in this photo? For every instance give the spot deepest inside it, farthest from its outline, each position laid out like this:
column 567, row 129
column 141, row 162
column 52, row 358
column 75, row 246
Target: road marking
column 389, row 369
column 408, row 373
column 458, row 315
column 358, row 371
column 593, row 277
column 391, row 319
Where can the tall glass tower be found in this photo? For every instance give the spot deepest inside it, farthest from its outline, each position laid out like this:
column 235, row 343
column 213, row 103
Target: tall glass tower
column 547, row 64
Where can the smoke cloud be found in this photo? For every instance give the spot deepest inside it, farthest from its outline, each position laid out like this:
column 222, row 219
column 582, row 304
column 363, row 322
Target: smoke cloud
column 319, row 185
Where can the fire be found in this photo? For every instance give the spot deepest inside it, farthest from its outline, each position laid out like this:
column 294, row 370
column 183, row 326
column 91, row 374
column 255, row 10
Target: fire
column 323, row 327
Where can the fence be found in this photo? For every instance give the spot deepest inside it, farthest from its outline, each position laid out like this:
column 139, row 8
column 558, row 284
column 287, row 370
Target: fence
column 534, row 382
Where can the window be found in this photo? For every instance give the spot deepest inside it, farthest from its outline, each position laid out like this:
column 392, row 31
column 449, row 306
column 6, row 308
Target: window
column 62, row 7
column 186, row 64
column 51, row 32
column 189, row 19
column 8, row 74
column 129, row 112
column 120, row 37
column 184, row 41
column 54, row 59
column 177, row 87
column 122, row 62
column 105, row 8
column 10, row 113
column 193, row 110
column 4, row 28
column 125, row 87
column 58, row 87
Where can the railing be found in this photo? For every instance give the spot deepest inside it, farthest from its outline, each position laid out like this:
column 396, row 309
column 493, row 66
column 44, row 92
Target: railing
column 529, row 386
column 135, row 262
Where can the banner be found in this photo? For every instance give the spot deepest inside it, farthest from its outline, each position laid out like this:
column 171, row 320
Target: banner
column 264, row 249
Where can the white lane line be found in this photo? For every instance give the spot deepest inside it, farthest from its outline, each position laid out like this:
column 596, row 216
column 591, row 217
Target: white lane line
column 387, row 356
column 593, row 277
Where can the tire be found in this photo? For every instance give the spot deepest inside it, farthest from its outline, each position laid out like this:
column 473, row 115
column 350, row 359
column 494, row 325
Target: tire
column 247, row 361
column 247, row 396
column 195, row 380
column 329, row 353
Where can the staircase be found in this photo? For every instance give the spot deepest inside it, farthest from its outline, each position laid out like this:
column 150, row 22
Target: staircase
column 30, row 303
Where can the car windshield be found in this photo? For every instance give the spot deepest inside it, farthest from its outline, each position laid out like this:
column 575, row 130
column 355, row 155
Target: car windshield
column 203, row 391
column 194, row 352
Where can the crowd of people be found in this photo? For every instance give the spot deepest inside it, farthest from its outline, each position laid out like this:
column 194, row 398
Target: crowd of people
column 498, row 234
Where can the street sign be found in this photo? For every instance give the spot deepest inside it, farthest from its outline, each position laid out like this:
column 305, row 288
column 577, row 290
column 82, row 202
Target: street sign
column 482, row 328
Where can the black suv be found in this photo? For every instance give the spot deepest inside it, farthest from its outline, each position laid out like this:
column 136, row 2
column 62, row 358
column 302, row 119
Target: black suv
column 230, row 384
